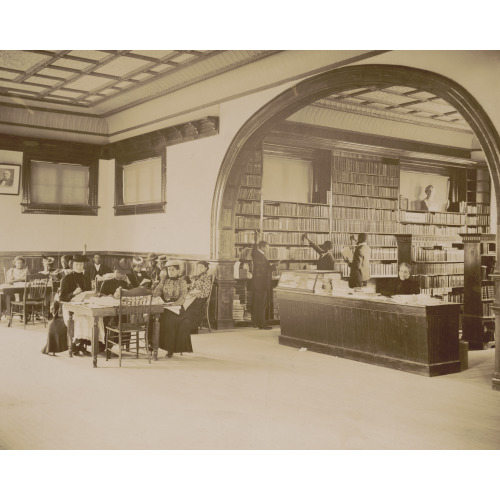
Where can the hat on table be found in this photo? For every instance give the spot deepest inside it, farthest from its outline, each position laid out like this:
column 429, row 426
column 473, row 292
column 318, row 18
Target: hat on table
column 138, row 261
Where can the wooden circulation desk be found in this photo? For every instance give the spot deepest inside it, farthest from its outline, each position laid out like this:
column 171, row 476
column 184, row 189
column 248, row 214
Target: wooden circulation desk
column 420, row 339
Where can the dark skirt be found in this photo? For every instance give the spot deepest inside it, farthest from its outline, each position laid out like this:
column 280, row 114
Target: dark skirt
column 174, row 332
column 57, row 338
column 195, row 313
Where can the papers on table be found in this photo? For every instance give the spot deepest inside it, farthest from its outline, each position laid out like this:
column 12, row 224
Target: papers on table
column 174, row 309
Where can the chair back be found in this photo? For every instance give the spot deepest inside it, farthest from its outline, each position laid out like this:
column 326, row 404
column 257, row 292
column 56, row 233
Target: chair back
column 35, row 288
column 135, row 306
column 97, row 284
column 207, row 304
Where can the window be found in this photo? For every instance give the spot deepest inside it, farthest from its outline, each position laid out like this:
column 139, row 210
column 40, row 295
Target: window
column 59, row 188
column 140, row 184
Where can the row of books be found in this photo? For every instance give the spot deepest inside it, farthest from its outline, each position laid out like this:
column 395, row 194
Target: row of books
column 476, row 230
column 440, row 281
column 441, row 268
column 454, row 298
column 285, row 224
column 439, row 291
column 487, row 247
column 365, row 190
column 296, row 253
column 254, row 168
column 248, row 207
column 376, row 269
column 249, row 193
column 432, row 230
column 433, row 254
column 479, row 220
column 478, row 209
column 373, row 180
column 487, row 309
column 487, row 292
column 295, row 210
column 374, row 240
column 356, row 201
column 433, row 218
column 364, row 226
column 363, row 213
column 247, row 223
column 365, row 166
column 251, row 180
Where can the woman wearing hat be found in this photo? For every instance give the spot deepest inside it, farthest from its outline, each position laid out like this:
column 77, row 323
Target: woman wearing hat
column 174, row 328
column 326, row 261
column 18, row 272
column 122, row 269
column 138, row 276
column 73, row 284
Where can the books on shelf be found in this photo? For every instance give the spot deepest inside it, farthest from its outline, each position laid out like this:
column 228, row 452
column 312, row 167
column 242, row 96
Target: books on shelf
column 285, row 224
column 487, row 309
column 432, row 230
column 478, row 220
column 363, row 213
column 355, row 178
column 364, row 226
column 487, row 292
column 248, row 207
column 424, row 254
column 439, row 268
column 433, row 218
column 252, row 180
column 364, row 166
column 284, row 209
column 440, row 281
column 365, row 202
column 249, row 193
column 478, row 209
column 377, row 269
column 365, row 190
column 247, row 222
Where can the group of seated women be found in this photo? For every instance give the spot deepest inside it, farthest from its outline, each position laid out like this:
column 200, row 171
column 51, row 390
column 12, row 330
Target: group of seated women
column 189, row 293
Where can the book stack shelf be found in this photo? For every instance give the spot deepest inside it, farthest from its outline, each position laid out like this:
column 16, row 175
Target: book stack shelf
column 478, row 201
column 478, row 320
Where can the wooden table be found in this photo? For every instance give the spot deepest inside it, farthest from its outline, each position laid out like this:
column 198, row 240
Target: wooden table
column 97, row 312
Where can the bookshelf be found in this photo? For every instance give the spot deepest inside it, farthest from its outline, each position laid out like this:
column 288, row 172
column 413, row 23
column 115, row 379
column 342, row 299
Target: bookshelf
column 478, row 201
column 479, row 292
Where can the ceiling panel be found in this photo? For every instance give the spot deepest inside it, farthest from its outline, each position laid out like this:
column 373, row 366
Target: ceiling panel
column 157, row 54
column 20, row 59
column 95, row 55
column 122, row 66
column 89, row 83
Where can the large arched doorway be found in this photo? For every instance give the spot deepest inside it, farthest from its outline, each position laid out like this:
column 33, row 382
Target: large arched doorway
column 308, row 91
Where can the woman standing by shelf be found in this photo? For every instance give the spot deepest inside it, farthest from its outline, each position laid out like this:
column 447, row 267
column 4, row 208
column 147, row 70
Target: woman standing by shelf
column 360, row 266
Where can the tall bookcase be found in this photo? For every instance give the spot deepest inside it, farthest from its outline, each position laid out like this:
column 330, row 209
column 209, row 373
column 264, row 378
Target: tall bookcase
column 478, row 322
column 353, row 193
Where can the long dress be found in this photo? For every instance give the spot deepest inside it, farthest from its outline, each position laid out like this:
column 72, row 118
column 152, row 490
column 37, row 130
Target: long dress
column 57, row 337
column 199, row 288
column 174, row 328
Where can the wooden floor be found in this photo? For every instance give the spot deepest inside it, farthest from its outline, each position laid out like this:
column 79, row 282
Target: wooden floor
column 239, row 390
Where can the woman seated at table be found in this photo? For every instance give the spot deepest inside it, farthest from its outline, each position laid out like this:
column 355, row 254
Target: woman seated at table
column 199, row 290
column 174, row 328
column 71, row 285
column 18, row 272
column 402, row 285
column 110, row 286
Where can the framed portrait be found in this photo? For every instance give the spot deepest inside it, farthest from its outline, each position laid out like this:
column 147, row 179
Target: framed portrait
column 427, row 192
column 10, row 176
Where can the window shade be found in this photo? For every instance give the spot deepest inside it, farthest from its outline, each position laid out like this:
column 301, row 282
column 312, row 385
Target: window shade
column 59, row 183
column 142, row 182
column 287, row 179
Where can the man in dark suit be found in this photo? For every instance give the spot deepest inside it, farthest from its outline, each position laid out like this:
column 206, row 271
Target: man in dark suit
column 261, row 283
column 95, row 268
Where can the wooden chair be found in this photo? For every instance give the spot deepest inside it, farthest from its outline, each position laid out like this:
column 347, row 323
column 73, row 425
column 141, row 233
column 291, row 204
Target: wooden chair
column 33, row 300
column 206, row 316
column 97, row 284
column 134, row 312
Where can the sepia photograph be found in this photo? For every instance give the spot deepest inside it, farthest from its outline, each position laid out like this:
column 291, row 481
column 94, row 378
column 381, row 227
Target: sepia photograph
column 259, row 249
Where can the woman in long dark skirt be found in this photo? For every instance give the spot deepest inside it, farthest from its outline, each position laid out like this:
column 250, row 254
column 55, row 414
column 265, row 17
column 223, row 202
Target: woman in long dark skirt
column 57, row 338
column 174, row 328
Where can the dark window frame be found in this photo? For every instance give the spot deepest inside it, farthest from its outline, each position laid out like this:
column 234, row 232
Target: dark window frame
column 140, row 208
column 29, row 207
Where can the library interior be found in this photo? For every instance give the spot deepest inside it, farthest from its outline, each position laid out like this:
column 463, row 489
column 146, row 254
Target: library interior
column 261, row 204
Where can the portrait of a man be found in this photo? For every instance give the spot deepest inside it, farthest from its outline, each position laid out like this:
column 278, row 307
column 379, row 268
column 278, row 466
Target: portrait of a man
column 6, row 177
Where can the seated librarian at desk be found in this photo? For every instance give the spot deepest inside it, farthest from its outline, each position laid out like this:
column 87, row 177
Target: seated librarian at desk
column 402, row 285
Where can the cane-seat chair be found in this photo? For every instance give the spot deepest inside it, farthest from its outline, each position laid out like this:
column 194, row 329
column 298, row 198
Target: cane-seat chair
column 33, row 303
column 131, row 333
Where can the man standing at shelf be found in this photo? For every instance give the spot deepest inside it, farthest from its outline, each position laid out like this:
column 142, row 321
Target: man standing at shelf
column 261, row 282
column 360, row 266
column 326, row 262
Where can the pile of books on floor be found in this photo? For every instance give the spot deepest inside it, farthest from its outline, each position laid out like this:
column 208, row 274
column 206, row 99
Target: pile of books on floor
column 238, row 310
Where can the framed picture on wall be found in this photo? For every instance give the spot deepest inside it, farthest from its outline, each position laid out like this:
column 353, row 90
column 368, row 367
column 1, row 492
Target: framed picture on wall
column 10, row 176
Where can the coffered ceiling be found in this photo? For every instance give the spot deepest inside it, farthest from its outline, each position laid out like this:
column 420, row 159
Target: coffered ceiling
column 105, row 81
